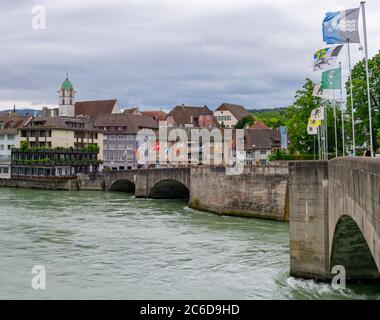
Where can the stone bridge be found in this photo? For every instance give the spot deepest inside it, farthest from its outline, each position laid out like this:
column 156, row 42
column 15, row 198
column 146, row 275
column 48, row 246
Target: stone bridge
column 150, row 183
column 257, row 192
column 334, row 215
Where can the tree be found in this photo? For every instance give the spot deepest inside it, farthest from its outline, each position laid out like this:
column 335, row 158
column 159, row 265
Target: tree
column 24, row 145
column 93, row 148
column 297, row 116
column 360, row 99
column 297, row 119
column 272, row 118
column 247, row 120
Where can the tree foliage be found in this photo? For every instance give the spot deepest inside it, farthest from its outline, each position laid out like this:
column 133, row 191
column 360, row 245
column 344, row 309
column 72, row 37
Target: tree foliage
column 360, row 99
column 272, row 118
column 297, row 117
column 247, row 120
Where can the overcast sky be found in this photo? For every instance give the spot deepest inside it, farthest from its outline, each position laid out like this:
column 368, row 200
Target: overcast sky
column 160, row 53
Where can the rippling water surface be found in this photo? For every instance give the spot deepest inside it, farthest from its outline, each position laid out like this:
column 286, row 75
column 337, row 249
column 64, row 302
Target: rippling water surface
column 98, row 245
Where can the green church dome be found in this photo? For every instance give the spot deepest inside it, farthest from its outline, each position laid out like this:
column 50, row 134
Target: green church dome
column 67, row 85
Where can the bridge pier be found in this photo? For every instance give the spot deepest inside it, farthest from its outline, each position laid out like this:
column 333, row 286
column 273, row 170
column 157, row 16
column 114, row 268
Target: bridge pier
column 141, row 190
column 308, row 219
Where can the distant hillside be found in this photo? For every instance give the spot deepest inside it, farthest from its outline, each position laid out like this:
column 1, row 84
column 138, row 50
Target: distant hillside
column 268, row 111
column 23, row 112
column 274, row 118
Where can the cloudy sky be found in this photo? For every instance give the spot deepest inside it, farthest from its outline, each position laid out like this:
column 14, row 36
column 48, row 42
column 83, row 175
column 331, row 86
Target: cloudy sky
column 160, row 53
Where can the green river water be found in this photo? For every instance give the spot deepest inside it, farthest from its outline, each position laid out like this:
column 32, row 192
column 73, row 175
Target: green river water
column 97, row 245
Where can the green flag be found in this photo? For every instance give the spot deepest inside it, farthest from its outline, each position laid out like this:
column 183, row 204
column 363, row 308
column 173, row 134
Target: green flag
column 331, row 79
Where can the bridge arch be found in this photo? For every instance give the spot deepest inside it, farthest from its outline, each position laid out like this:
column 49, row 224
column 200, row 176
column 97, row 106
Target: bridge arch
column 123, row 185
column 350, row 249
column 169, row 189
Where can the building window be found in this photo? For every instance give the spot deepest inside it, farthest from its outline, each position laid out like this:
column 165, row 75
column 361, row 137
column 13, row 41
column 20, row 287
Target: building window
column 1, row 137
column 112, row 157
column 130, row 147
column 112, row 147
column 263, row 152
column 121, row 137
column 11, row 137
column 130, row 137
column 121, row 158
column 121, row 147
column 1, row 147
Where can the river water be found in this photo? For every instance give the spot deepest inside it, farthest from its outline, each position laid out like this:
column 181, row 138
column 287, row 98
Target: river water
column 96, row 245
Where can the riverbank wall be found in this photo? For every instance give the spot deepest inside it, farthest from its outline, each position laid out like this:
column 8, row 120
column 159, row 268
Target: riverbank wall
column 259, row 192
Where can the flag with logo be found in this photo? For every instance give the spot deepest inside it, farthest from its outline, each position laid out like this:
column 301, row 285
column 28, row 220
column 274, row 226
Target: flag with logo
column 312, row 126
column 314, row 123
column 332, row 79
column 312, row 130
column 317, row 91
column 318, row 114
column 341, row 27
column 326, row 58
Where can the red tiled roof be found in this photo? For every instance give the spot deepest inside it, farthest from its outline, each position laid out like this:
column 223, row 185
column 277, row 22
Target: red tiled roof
column 189, row 115
column 9, row 122
column 94, row 109
column 156, row 115
column 133, row 111
column 259, row 125
column 60, row 123
column 237, row 111
column 261, row 139
column 131, row 122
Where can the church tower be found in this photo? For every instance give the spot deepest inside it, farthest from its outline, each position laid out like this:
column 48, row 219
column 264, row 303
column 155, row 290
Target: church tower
column 67, row 99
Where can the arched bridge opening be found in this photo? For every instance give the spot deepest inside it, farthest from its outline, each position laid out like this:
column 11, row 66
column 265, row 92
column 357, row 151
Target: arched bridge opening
column 169, row 189
column 350, row 250
column 123, row 186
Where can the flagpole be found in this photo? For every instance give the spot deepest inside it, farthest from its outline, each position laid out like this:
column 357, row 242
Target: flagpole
column 352, row 100
column 341, row 104
column 367, row 73
column 319, row 143
column 326, row 134
column 336, row 133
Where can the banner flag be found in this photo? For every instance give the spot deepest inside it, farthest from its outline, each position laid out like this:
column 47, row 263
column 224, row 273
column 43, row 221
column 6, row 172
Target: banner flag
column 317, row 91
column 331, row 79
column 284, row 137
column 314, row 123
column 312, row 130
column 326, row 58
column 341, row 27
column 318, row 114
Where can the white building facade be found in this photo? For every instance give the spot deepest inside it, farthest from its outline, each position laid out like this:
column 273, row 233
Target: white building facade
column 9, row 139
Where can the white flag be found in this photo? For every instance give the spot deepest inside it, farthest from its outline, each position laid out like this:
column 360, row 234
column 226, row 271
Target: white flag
column 318, row 92
column 318, row 114
column 312, row 130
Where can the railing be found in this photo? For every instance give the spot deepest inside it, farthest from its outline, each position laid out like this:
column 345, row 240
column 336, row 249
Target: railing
column 30, row 177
